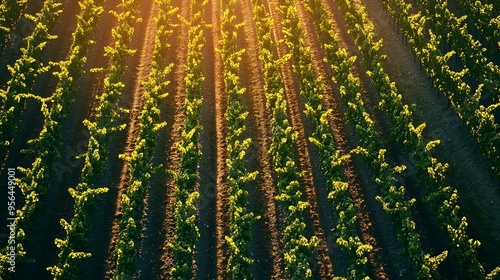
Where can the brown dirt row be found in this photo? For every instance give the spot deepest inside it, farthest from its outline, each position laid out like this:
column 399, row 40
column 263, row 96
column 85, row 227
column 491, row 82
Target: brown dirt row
column 158, row 224
column 207, row 254
column 135, row 103
column 376, row 228
column 266, row 246
column 469, row 172
column 178, row 87
column 362, row 191
column 222, row 205
column 206, row 248
column 101, row 234
column 308, row 164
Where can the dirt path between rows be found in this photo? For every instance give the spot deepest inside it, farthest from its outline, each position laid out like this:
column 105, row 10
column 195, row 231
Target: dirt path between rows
column 144, row 44
column 375, row 228
column 312, row 182
column 174, row 110
column 222, row 205
column 159, row 226
column 206, row 247
column 101, row 234
column 266, row 247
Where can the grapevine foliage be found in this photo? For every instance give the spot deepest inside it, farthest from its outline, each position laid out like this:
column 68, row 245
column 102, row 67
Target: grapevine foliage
column 330, row 158
column 430, row 172
column 72, row 246
column 139, row 161
column 186, row 178
column 241, row 220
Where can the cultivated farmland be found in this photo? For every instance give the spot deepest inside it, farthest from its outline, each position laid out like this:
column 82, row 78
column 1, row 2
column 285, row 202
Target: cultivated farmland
column 250, row 139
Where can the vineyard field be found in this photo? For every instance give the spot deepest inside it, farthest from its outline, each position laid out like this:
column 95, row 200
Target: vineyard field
column 249, row 139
